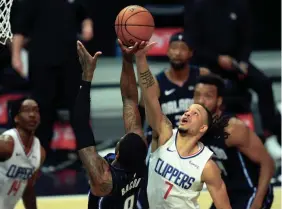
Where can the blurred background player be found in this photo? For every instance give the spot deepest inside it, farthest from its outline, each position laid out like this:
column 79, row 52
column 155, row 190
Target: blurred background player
column 113, row 184
column 246, row 166
column 179, row 164
column 54, row 72
column 21, row 156
column 176, row 85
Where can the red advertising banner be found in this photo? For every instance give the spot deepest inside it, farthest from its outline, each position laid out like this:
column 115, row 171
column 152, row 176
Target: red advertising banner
column 63, row 137
column 161, row 36
column 4, row 106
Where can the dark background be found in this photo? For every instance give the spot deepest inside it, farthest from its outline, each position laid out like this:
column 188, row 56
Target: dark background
column 266, row 21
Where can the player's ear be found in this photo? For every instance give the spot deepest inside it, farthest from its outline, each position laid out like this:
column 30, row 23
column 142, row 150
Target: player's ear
column 190, row 52
column 16, row 119
column 117, row 155
column 204, row 128
column 168, row 51
column 219, row 101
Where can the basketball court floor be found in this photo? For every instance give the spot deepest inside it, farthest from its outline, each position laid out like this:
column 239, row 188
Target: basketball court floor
column 80, row 201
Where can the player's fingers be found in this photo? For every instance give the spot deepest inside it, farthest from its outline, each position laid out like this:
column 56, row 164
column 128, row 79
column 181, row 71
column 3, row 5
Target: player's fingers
column 79, row 49
column 142, row 45
column 151, row 45
column 135, row 46
column 120, row 44
column 95, row 57
column 82, row 48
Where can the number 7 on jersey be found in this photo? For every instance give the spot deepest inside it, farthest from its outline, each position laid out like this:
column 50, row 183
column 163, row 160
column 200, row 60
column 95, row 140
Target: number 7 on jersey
column 170, row 185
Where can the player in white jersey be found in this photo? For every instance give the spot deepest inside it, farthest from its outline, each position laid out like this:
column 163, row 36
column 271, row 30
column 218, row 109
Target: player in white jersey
column 179, row 163
column 21, row 156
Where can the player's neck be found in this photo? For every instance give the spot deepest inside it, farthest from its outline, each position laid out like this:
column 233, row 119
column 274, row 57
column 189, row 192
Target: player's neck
column 218, row 112
column 186, row 145
column 116, row 164
column 179, row 75
column 26, row 137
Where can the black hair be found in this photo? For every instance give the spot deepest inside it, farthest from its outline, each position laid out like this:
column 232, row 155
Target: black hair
column 216, row 127
column 210, row 118
column 14, row 109
column 212, row 79
column 132, row 152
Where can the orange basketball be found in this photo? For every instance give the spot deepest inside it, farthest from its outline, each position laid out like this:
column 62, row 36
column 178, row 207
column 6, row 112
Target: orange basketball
column 134, row 24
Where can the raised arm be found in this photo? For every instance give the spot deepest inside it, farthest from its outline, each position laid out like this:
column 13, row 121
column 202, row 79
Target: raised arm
column 216, row 186
column 129, row 94
column 156, row 119
column 97, row 168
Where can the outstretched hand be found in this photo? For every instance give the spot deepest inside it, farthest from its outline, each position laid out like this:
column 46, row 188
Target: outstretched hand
column 87, row 62
column 128, row 50
column 138, row 49
column 144, row 47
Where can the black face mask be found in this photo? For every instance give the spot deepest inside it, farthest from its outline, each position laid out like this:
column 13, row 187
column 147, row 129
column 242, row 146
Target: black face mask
column 177, row 66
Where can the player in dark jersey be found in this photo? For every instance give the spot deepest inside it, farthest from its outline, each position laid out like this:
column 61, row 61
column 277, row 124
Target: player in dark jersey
column 114, row 182
column 176, row 85
column 246, row 166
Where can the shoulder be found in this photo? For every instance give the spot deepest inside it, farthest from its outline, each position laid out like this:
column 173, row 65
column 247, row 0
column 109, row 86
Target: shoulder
column 238, row 131
column 8, row 141
column 6, row 146
column 204, row 71
column 210, row 171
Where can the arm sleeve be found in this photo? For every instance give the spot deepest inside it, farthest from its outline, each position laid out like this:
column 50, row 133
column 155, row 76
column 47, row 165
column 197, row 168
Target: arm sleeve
column 81, row 116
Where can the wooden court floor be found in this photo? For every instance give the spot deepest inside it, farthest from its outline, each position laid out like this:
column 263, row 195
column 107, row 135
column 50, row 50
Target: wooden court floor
column 80, row 201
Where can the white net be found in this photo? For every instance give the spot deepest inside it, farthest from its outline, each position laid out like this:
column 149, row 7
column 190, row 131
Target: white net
column 5, row 26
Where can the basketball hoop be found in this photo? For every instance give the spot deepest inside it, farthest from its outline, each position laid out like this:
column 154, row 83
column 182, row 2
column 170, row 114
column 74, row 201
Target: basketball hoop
column 5, row 26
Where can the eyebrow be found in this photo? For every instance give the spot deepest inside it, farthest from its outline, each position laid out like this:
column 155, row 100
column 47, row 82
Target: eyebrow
column 198, row 110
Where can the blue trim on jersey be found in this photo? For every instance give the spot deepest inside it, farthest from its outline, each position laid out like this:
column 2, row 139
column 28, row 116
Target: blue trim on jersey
column 100, row 202
column 245, row 171
column 251, row 199
column 187, row 157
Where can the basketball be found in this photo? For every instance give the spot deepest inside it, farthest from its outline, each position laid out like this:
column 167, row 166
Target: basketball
column 134, row 24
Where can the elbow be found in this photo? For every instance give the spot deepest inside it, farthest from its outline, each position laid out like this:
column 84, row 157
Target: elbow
column 95, row 189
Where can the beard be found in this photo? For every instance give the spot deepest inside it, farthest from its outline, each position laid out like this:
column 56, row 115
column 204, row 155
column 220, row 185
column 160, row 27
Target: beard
column 178, row 66
column 182, row 131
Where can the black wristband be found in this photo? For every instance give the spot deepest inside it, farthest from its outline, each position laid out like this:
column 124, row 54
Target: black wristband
column 81, row 117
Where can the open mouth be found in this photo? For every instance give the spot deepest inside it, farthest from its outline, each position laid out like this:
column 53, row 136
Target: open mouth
column 184, row 121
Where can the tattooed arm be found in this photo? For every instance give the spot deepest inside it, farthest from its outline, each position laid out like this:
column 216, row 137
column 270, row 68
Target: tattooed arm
column 97, row 168
column 98, row 171
column 129, row 94
column 156, row 119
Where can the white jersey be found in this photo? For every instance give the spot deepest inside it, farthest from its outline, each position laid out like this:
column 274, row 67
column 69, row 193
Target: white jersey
column 175, row 181
column 15, row 172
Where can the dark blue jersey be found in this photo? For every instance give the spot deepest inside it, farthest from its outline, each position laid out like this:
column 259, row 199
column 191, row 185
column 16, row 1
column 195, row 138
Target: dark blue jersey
column 238, row 171
column 126, row 186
